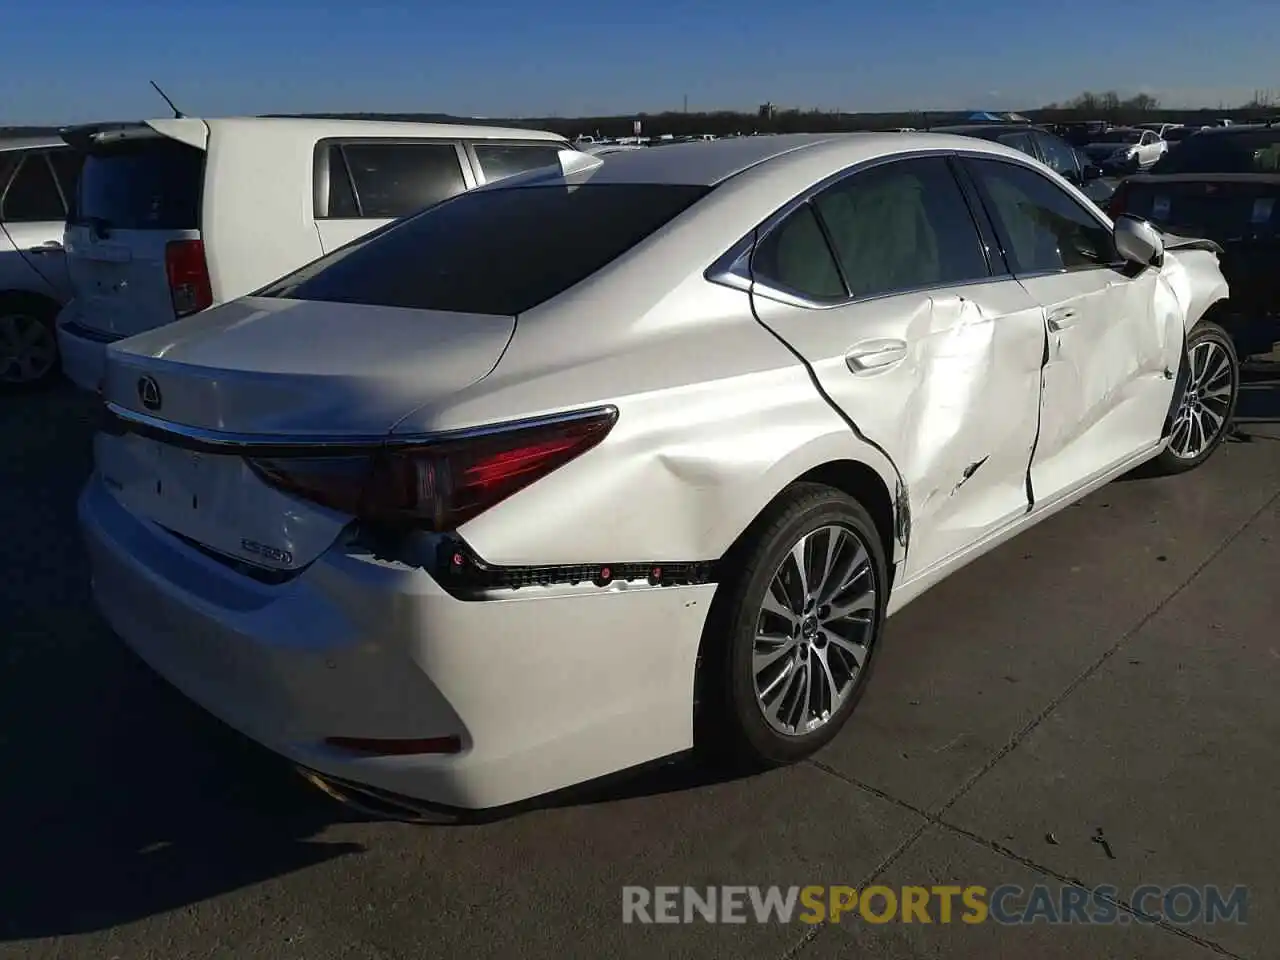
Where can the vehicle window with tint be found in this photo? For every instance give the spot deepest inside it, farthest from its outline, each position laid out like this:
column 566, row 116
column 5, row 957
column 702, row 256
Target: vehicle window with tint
column 66, row 167
column 902, row 226
column 795, row 257
column 1251, row 152
column 1058, row 155
column 151, row 184
column 394, row 180
column 1019, row 141
column 498, row 160
column 32, row 196
column 491, row 251
column 1046, row 229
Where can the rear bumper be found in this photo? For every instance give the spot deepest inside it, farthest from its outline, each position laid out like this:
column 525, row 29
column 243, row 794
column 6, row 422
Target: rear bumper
column 545, row 691
column 83, row 350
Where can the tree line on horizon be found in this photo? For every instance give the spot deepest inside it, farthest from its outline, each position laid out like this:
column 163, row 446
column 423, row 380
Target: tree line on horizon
column 769, row 118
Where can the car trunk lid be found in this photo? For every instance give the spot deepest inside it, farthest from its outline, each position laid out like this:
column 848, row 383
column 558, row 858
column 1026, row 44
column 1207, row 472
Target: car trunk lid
column 191, row 404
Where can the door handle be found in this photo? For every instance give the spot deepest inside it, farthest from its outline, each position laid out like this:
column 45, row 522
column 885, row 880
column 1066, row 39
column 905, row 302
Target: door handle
column 1061, row 319
column 49, row 246
column 875, row 355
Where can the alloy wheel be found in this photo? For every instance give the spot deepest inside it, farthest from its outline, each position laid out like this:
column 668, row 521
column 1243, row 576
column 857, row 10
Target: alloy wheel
column 1201, row 417
column 28, row 348
column 814, row 629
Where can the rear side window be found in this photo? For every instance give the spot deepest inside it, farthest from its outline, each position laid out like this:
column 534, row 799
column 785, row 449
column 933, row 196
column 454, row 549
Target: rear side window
column 794, row 256
column 32, row 195
column 393, row 180
column 492, row 251
column 1058, row 154
column 1253, row 152
column 153, row 184
column 1019, row 141
column 498, row 160
column 66, row 167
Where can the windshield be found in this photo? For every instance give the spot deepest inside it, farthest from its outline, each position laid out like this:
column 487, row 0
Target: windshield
column 153, row 184
column 1118, row 136
column 1252, row 152
column 493, row 251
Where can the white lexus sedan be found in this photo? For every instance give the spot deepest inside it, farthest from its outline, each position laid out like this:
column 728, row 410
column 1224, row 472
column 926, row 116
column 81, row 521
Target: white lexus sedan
column 588, row 467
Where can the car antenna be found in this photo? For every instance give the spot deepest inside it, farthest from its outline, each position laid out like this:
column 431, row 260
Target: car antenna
column 177, row 114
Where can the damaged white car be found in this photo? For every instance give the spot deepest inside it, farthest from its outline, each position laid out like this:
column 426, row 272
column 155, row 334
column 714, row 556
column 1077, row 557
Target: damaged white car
column 580, row 469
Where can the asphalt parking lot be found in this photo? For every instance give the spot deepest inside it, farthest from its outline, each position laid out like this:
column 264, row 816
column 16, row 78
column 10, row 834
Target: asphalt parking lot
column 1113, row 670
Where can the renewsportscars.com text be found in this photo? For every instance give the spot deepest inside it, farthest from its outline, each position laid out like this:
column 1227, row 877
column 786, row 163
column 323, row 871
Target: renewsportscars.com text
column 1008, row 904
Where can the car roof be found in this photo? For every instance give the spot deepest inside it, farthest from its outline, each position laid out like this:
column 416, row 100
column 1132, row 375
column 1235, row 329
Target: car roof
column 969, row 129
column 195, row 130
column 708, row 163
column 31, row 143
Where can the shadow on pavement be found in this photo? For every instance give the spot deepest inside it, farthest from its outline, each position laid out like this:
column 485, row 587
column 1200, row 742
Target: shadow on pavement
column 120, row 798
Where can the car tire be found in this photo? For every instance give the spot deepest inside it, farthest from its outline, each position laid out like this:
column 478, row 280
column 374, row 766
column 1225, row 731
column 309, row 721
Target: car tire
column 735, row 727
column 21, row 316
column 1209, row 349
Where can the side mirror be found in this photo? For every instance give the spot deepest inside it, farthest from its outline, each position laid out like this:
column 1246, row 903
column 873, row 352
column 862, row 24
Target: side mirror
column 1138, row 241
column 1091, row 172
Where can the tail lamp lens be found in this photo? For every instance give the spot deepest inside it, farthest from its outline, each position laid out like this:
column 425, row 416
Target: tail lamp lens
column 437, row 486
column 188, row 272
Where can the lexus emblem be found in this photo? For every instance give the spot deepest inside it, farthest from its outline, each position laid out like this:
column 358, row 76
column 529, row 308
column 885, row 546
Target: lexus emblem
column 149, row 392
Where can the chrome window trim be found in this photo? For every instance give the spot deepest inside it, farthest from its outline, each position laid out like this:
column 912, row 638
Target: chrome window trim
column 732, row 269
column 301, row 445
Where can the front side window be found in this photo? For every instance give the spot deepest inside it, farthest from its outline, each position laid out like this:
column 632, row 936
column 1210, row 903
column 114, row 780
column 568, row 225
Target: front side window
column 1043, row 227
column 393, row 180
column 32, row 196
column 499, row 160
column 902, row 226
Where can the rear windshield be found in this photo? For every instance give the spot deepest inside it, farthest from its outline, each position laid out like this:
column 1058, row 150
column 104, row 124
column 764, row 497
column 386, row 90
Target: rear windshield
column 1252, row 152
column 493, row 251
column 153, row 184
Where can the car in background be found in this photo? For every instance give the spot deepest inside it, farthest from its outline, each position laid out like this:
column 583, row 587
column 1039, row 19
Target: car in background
column 1223, row 184
column 589, row 467
column 1161, row 130
column 37, row 178
column 1051, row 150
column 1080, row 133
column 173, row 216
column 1176, row 135
column 1124, row 150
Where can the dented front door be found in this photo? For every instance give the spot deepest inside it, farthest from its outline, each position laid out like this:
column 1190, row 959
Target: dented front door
column 907, row 333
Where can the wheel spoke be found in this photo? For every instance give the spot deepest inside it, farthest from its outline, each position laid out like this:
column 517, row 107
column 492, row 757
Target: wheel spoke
column 802, row 573
column 772, row 605
column 780, row 647
column 857, row 652
column 833, row 694
column 864, row 601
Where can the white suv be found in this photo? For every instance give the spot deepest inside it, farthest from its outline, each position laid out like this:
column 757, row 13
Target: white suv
column 37, row 175
column 173, row 216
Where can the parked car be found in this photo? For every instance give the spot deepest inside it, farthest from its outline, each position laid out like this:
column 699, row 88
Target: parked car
column 1082, row 133
column 174, row 216
column 582, row 469
column 1224, row 184
column 1178, row 134
column 1161, row 130
column 1124, row 150
column 37, row 175
column 1051, row 150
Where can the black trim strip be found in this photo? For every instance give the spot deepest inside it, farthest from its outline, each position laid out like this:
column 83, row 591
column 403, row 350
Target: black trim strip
column 88, row 333
column 467, row 577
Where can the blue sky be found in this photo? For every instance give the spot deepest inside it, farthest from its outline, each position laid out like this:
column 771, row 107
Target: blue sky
column 69, row 61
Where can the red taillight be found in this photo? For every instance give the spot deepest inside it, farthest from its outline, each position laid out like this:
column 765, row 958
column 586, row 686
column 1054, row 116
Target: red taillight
column 189, row 285
column 1118, row 200
column 437, row 486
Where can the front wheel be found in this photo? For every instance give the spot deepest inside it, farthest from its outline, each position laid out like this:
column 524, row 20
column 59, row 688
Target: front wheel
column 800, row 619
column 28, row 342
column 1203, row 414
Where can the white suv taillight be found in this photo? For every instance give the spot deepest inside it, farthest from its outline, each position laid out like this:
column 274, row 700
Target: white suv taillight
column 188, row 273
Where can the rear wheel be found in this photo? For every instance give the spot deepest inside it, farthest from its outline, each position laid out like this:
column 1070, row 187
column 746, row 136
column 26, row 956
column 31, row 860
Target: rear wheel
column 1202, row 416
column 799, row 619
column 28, row 341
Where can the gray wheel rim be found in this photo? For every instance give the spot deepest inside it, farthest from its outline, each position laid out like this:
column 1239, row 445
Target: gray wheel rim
column 1201, row 417
column 814, row 630
column 28, row 348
